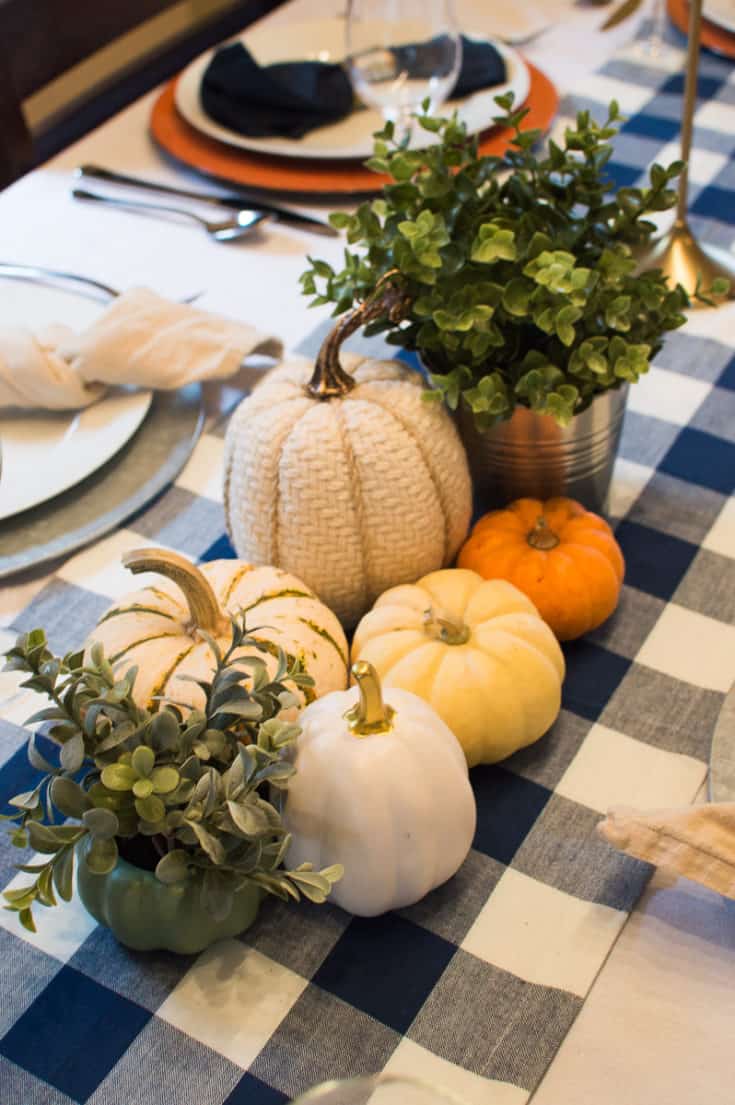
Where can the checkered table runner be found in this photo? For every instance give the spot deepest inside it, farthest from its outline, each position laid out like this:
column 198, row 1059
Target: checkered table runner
column 476, row 986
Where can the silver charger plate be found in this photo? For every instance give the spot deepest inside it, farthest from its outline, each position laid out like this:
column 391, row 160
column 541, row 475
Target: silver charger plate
column 147, row 464
column 722, row 756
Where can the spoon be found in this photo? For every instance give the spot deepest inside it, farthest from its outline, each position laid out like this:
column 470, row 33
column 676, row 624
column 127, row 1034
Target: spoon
column 223, row 230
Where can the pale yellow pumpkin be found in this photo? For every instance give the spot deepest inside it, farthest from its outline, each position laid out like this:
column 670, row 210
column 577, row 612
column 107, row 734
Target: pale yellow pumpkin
column 159, row 628
column 475, row 650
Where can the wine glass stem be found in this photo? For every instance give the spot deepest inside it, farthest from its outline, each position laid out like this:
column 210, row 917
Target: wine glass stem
column 403, row 121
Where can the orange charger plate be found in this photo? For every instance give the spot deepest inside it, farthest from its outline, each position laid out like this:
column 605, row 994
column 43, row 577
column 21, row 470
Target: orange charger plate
column 283, row 174
column 716, row 38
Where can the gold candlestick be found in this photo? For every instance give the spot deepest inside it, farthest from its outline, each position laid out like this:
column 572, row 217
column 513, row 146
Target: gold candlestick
column 677, row 252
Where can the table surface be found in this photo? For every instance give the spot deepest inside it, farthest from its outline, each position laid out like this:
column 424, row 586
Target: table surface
column 657, row 1024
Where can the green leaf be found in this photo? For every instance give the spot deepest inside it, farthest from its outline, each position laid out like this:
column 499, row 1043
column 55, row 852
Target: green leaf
column 63, row 869
column 211, row 845
column 315, row 885
column 142, row 761
column 28, row 800
column 564, row 324
column 377, row 164
column 26, row 919
column 118, row 777
column 101, row 856
column 403, row 165
column 247, row 818
column 21, row 894
column 516, row 296
column 43, row 839
column 36, row 760
column 173, row 867
column 101, row 823
column 109, row 799
column 247, row 709
column 617, row 313
column 165, row 779
column 150, row 808
column 164, row 729
column 69, row 798
column 45, row 886
column 72, row 754
column 493, row 244
column 340, row 220
column 142, row 788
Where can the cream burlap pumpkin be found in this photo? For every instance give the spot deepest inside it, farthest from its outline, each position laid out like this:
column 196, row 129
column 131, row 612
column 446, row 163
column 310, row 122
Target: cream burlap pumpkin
column 349, row 479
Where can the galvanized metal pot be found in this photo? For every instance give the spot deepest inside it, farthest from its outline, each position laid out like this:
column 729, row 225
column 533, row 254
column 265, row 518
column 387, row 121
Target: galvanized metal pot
column 531, row 455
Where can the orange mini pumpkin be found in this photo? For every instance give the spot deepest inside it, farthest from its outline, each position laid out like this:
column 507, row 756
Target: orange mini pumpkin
column 563, row 557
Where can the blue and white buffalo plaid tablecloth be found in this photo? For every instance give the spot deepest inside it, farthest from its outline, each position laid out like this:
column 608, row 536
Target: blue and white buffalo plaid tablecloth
column 482, row 980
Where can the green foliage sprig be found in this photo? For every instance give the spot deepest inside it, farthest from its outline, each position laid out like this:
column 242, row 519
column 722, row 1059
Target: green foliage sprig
column 195, row 782
column 520, row 269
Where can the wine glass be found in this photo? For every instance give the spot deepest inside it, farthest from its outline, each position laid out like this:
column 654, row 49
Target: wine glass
column 655, row 44
column 378, row 1089
column 400, row 52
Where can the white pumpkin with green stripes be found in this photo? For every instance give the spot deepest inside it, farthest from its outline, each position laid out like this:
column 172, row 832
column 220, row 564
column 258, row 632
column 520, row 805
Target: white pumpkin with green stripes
column 162, row 629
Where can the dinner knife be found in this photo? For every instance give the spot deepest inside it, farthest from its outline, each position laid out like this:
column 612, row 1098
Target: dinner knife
column 621, row 13
column 283, row 214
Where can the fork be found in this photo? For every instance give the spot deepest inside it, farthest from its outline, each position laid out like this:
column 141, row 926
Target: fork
column 223, row 230
column 39, row 274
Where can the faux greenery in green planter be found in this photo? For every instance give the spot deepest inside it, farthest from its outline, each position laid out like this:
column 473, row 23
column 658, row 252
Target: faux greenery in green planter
column 168, row 812
column 519, row 270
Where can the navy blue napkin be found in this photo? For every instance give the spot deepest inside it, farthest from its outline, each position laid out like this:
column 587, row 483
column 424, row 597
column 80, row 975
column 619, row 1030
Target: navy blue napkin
column 291, row 98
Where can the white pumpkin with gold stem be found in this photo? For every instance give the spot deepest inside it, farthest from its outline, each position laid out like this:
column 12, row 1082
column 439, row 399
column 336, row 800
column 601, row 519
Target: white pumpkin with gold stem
column 382, row 788
column 476, row 650
column 162, row 629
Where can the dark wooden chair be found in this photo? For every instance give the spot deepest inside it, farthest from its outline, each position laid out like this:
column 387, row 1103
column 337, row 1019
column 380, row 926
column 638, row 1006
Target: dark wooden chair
column 42, row 39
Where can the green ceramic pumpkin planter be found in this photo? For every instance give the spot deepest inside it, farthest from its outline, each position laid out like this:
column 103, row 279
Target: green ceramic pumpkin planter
column 164, row 805
column 148, row 915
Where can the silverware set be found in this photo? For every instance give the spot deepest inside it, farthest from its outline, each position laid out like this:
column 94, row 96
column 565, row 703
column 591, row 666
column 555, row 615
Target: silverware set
column 245, row 215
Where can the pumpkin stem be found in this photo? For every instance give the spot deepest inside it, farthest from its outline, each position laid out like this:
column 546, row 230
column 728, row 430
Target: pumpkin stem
column 370, row 715
column 541, row 537
column 204, row 609
column 444, row 629
column 330, row 380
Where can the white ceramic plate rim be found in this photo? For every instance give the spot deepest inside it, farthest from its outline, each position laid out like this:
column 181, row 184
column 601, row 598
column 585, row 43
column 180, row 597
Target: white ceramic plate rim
column 79, row 442
column 721, row 12
column 352, row 137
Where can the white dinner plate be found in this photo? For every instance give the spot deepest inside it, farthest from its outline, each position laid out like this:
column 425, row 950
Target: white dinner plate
column 323, row 40
column 721, row 12
column 47, row 452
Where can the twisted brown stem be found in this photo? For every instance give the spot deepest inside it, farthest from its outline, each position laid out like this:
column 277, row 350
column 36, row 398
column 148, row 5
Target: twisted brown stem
column 329, row 380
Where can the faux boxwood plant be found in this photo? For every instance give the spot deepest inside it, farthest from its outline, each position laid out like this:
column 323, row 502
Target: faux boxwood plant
column 189, row 791
column 519, row 270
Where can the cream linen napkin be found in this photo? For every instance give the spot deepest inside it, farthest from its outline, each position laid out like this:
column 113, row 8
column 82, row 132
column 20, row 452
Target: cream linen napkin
column 696, row 841
column 141, row 339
